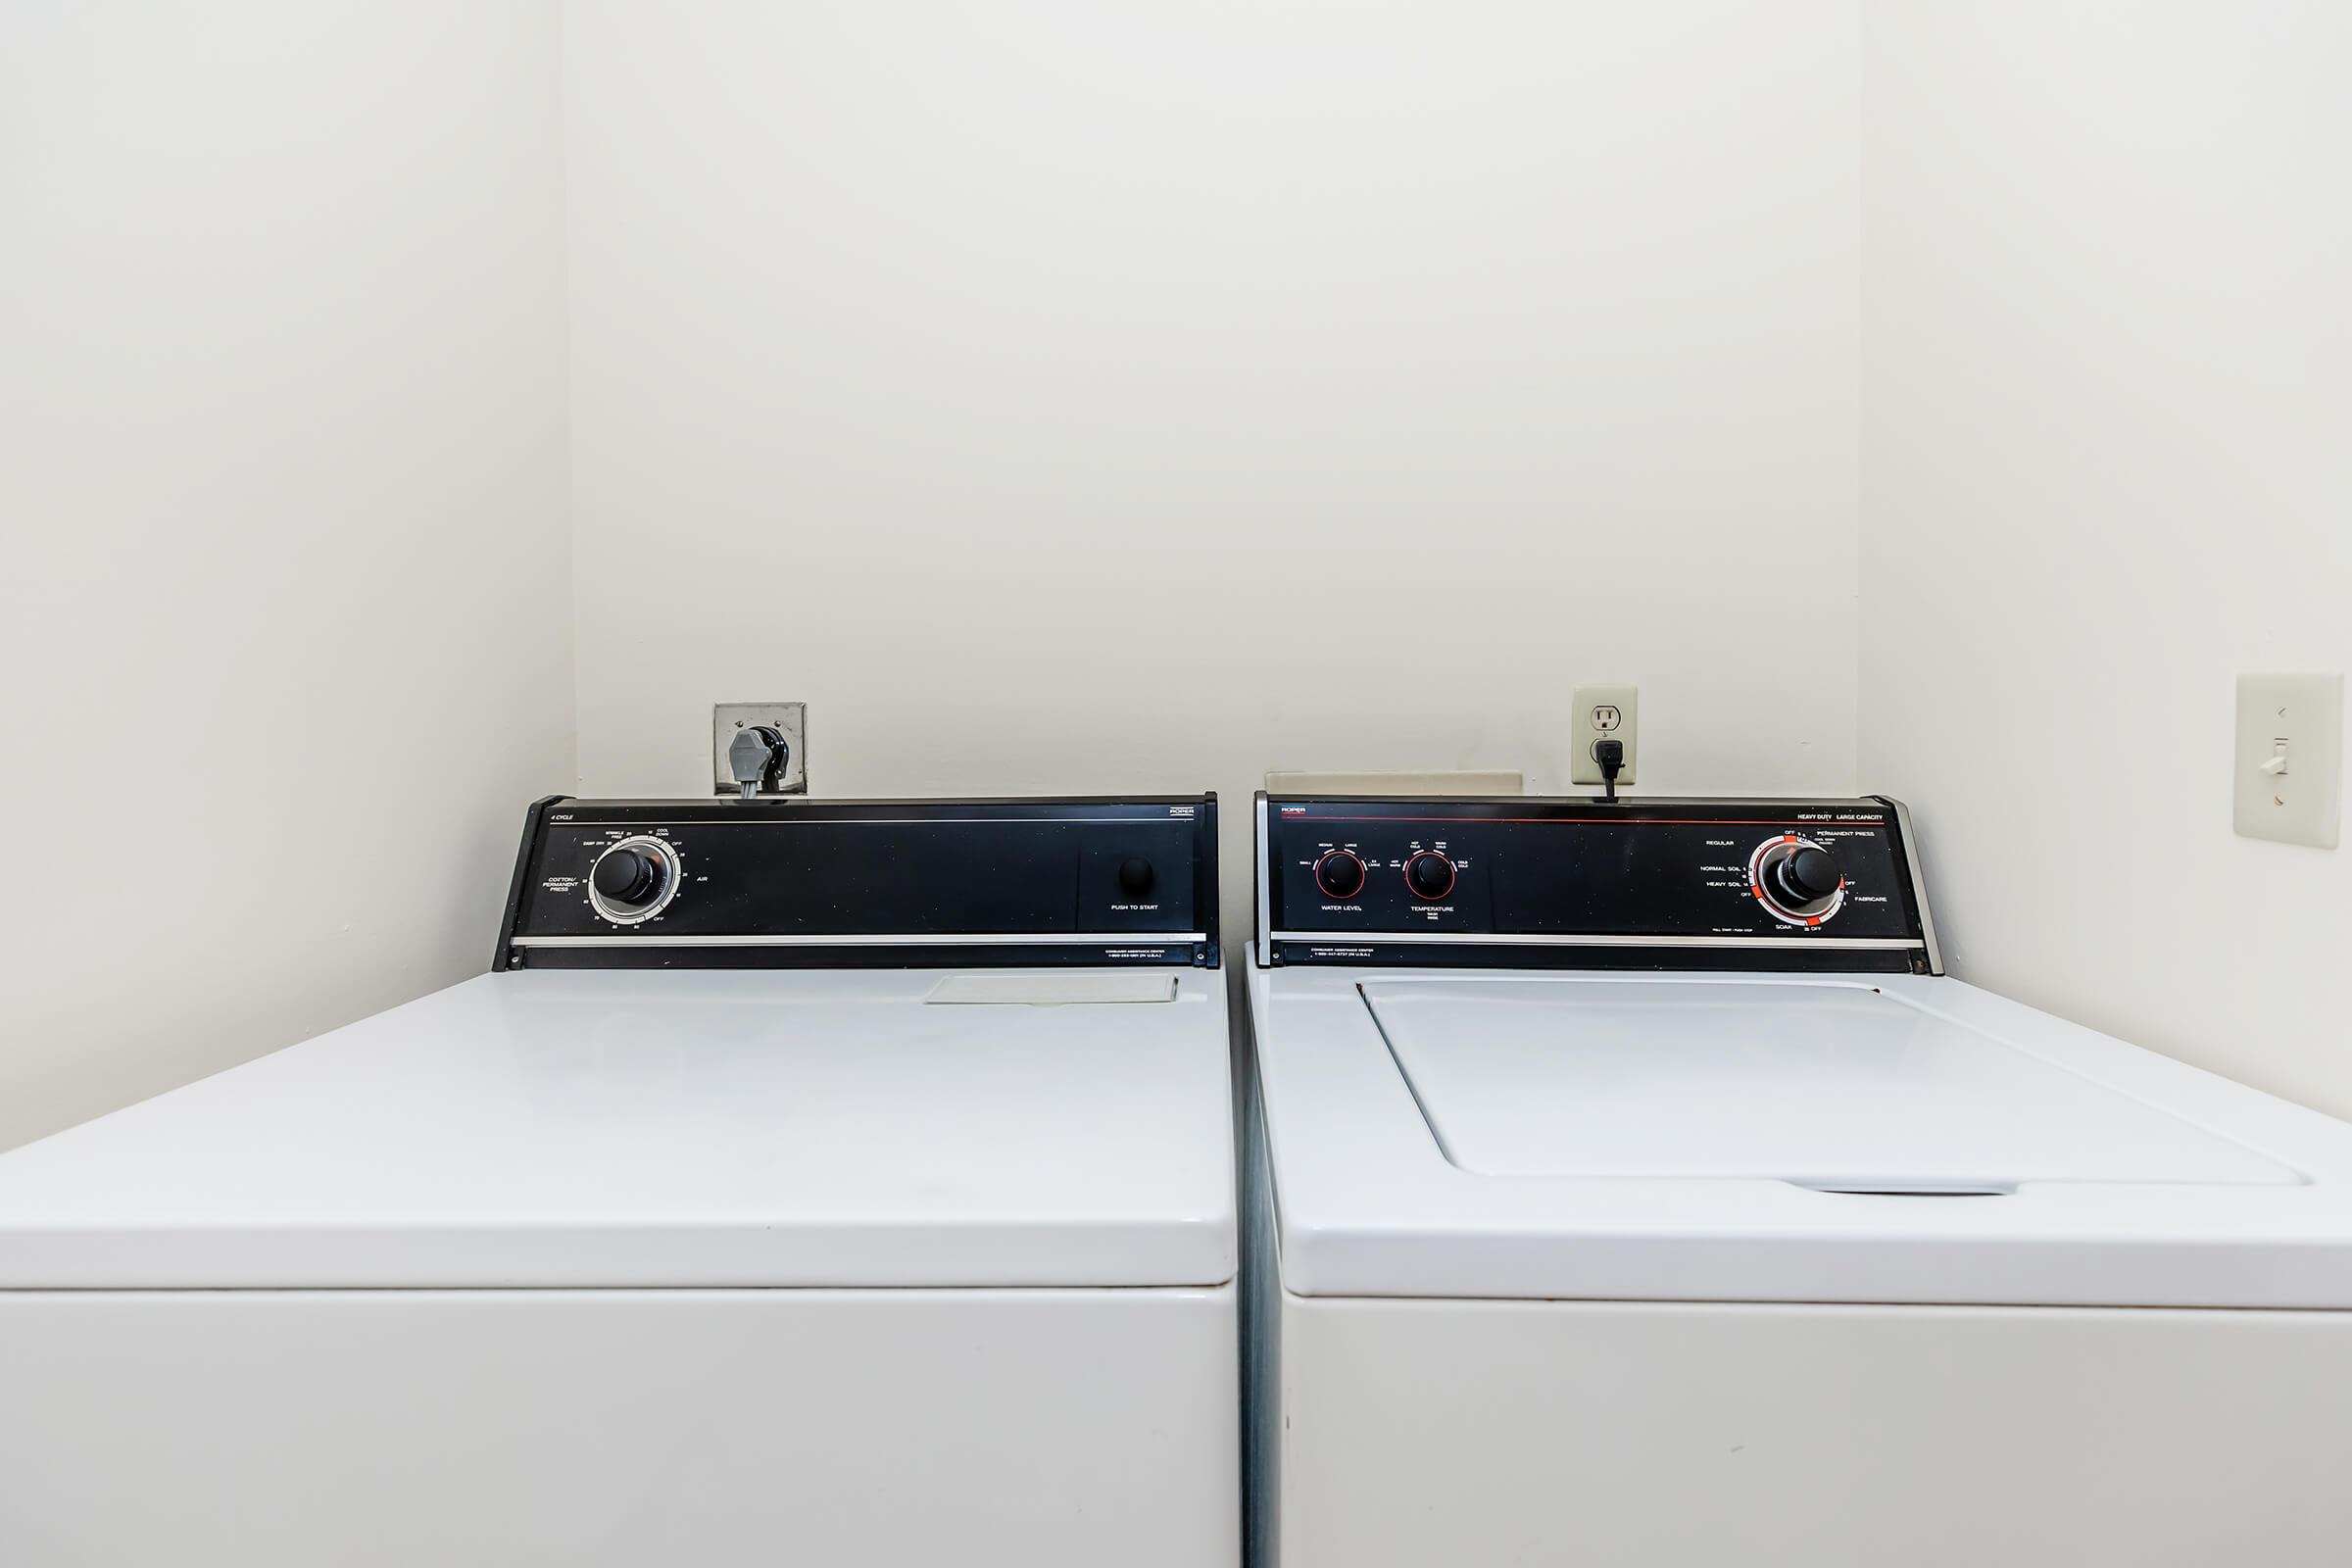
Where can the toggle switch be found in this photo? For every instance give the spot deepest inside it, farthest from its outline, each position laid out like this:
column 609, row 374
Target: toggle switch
column 2279, row 718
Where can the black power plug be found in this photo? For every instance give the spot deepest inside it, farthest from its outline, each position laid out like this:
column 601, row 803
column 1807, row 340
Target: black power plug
column 1609, row 753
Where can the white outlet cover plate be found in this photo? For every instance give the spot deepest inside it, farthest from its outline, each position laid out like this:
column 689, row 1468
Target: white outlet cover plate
column 1593, row 704
column 2303, row 804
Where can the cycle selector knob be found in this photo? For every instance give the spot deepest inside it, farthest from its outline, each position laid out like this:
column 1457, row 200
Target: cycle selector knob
column 1339, row 874
column 633, row 880
column 1430, row 876
column 1806, row 877
column 1796, row 880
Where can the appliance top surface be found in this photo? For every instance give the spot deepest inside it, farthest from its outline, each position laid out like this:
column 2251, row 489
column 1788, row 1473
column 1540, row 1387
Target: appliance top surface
column 1772, row 1138
column 664, row 1128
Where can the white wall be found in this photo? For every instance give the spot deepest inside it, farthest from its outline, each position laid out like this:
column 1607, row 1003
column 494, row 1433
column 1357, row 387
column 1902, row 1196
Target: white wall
column 1138, row 397
column 2108, row 465
column 286, row 640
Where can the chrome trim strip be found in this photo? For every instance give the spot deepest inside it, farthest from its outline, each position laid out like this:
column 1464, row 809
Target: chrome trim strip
column 1501, row 939
column 1265, row 917
column 913, row 939
column 1919, row 880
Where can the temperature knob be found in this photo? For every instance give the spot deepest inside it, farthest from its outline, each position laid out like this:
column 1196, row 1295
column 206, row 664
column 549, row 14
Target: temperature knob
column 633, row 880
column 1339, row 874
column 1430, row 876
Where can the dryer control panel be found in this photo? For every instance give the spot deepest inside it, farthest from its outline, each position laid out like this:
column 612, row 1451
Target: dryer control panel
column 798, row 883
column 1523, row 882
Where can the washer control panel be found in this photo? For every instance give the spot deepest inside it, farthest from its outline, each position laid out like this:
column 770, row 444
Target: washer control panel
column 795, row 883
column 1817, row 884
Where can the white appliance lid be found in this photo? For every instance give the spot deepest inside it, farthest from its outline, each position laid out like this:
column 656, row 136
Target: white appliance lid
column 1840, row 1088
column 1748, row 1137
column 649, row 1129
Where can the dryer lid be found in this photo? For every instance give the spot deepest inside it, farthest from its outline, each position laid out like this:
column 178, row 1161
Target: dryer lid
column 649, row 1129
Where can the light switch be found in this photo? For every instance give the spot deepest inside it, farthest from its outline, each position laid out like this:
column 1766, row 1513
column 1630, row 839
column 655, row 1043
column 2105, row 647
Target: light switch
column 2288, row 757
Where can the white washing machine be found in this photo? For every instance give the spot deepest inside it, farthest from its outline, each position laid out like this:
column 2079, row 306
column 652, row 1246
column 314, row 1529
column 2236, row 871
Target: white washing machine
column 822, row 1182
column 1628, row 1185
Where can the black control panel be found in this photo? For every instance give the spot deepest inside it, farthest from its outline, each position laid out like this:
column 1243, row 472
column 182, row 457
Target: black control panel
column 794, row 884
column 1520, row 882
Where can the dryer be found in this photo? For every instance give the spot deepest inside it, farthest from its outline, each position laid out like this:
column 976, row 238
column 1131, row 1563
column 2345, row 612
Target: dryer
column 821, row 1182
column 1628, row 1183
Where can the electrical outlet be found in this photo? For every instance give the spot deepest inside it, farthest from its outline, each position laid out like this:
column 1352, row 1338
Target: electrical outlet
column 1612, row 712
column 789, row 719
column 2288, row 757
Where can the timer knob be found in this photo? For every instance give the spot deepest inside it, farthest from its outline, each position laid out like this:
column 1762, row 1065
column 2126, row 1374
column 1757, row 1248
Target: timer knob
column 1339, row 874
column 1429, row 875
column 1135, row 876
column 628, row 876
column 634, row 880
column 1806, row 877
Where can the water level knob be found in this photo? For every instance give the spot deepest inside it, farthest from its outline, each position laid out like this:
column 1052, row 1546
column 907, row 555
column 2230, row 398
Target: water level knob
column 1339, row 874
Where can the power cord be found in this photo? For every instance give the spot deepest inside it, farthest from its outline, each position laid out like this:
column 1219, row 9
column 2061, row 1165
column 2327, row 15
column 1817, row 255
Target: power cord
column 1610, row 755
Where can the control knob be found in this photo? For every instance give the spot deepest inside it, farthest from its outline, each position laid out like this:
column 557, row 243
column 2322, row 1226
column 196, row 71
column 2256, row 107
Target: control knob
column 628, row 876
column 1339, row 874
column 1429, row 875
column 1806, row 877
column 633, row 880
column 1796, row 880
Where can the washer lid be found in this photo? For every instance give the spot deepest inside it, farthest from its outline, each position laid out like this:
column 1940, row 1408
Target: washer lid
column 651, row 1128
column 1837, row 1087
column 1742, row 1137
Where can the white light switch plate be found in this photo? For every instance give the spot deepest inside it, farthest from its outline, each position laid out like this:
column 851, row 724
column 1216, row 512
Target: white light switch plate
column 2289, row 757
column 1612, row 710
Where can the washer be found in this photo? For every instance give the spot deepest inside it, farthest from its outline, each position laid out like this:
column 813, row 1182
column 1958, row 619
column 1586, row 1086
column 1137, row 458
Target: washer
column 820, row 1182
column 1644, row 1192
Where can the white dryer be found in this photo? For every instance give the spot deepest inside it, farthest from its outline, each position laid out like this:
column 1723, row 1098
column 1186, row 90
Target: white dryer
column 1628, row 1185
column 841, row 1181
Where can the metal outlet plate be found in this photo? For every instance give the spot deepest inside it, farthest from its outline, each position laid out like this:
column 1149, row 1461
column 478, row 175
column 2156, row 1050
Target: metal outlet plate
column 790, row 720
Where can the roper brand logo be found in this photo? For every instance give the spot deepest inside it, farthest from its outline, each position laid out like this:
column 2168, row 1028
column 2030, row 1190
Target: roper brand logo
column 1293, row 810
